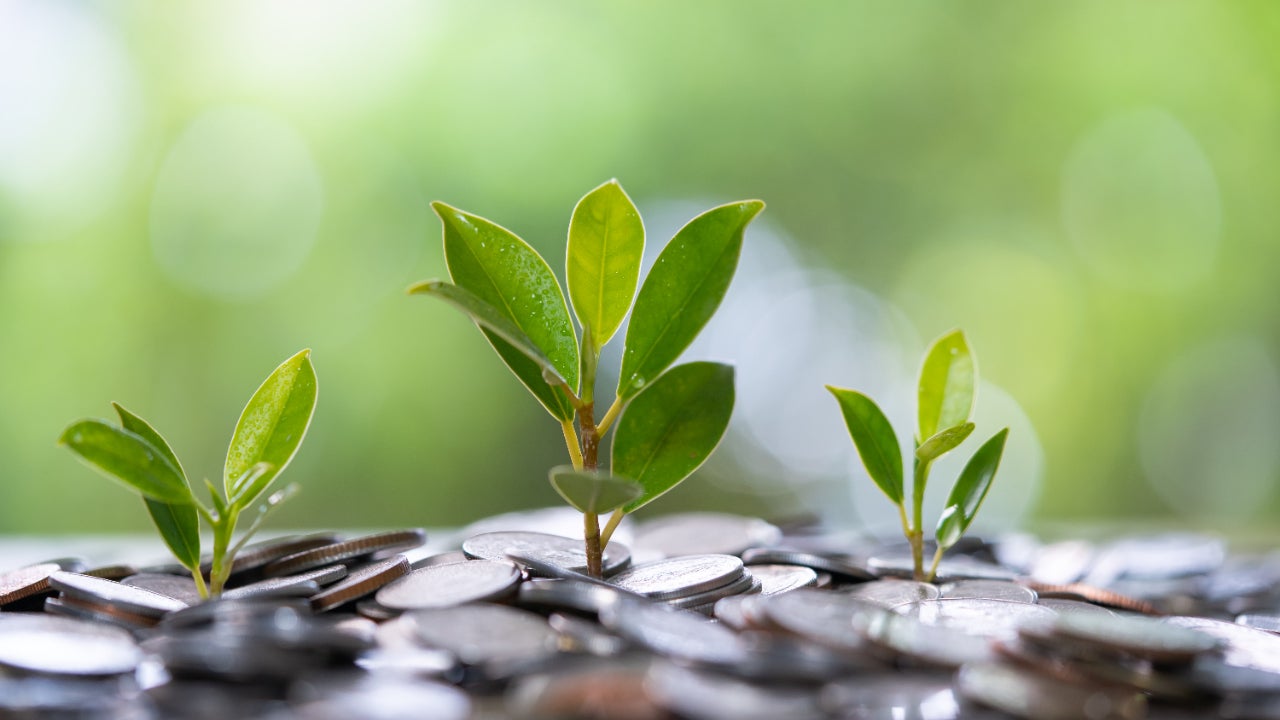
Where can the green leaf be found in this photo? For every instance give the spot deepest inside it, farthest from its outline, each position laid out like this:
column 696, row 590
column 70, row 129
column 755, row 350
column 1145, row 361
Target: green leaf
column 506, row 273
column 874, row 437
column 606, row 243
column 943, row 442
column 128, row 458
column 593, row 492
column 672, row 427
column 178, row 523
column 947, row 379
column 270, row 428
column 488, row 318
column 251, row 484
column 682, row 292
column 970, row 490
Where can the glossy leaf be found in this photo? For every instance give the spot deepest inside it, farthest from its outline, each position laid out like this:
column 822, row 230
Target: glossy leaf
column 682, row 292
column 672, row 427
column 270, row 428
column 128, row 458
column 947, row 379
column 970, row 490
column 251, row 484
column 178, row 523
column 489, row 319
column 944, row 442
column 606, row 243
column 506, row 273
column 874, row 437
column 593, row 492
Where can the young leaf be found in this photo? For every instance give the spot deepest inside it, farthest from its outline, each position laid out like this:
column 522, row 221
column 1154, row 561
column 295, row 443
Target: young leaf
column 606, row 242
column 682, row 291
column 488, row 318
column 251, row 484
column 505, row 272
column 969, row 491
column 874, row 437
column 947, row 379
column 943, row 442
column 271, row 427
column 671, row 428
column 593, row 492
column 128, row 458
column 179, row 524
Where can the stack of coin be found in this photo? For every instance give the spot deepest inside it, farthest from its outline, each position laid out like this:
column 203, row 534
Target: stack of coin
column 693, row 582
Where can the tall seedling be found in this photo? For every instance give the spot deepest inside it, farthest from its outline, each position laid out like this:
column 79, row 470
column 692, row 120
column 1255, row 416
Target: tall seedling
column 945, row 394
column 669, row 419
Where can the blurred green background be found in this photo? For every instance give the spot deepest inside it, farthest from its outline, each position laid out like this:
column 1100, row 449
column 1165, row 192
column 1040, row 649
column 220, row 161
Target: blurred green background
column 189, row 193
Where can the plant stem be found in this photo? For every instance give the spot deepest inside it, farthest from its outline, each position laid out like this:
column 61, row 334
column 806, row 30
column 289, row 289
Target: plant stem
column 221, row 569
column 591, row 531
column 609, row 527
column 933, row 569
column 571, row 442
column 610, row 415
column 920, row 477
column 200, row 586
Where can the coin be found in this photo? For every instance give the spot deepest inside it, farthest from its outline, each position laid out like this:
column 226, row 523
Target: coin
column 842, row 565
column 101, row 591
column 1142, row 637
column 823, row 617
column 557, row 550
column 25, row 582
column 680, row 577
column 583, row 636
column 885, row 696
column 1096, row 595
column 112, row 572
column 346, row 550
column 777, row 579
column 744, row 585
column 893, row 592
column 950, row 569
column 255, row 555
column 701, row 695
column 1026, row 694
column 1270, row 623
column 68, row 606
column 360, row 582
column 675, row 633
column 584, row 691
column 440, row 558
column 178, row 587
column 573, row 595
column 915, row 642
column 988, row 590
column 388, row 697
column 63, row 646
column 501, row 639
column 704, row 533
column 992, row 619
column 1241, row 646
column 304, row 584
column 450, row 584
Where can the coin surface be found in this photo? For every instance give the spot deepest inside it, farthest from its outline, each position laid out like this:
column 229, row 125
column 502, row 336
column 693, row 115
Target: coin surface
column 827, row 618
column 840, row 564
column 360, row 582
column 450, row 584
column 1241, row 646
column 680, row 577
column 484, row 634
column 701, row 695
column 992, row 619
column 109, row 592
column 703, row 533
column 64, row 646
column 303, row 584
column 675, row 633
column 564, row 552
column 26, row 581
column 178, row 587
column 339, row 552
column 988, row 590
column 572, row 595
column 1026, row 694
column 1270, row 623
column 894, row 592
column 1143, row 637
column 777, row 579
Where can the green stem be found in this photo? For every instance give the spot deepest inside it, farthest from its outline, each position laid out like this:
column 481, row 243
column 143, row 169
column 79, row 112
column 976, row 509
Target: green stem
column 610, row 416
column 221, row 569
column 200, row 586
column 933, row 569
column 920, row 478
column 610, row 527
column 571, row 442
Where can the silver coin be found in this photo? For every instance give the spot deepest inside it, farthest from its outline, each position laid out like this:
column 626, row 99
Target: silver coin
column 745, row 585
column 81, row 610
column 992, row 619
column 893, row 592
column 680, row 576
column 109, row 592
column 486, row 635
column 63, row 646
column 178, row 587
column 362, row 581
column 820, row 616
column 674, row 633
column 1064, row 606
column 1144, row 637
column 301, row 585
column 562, row 551
column 1270, row 623
column 988, row 590
column 450, row 584
column 535, row 567
column 255, row 555
column 582, row 636
column 1241, row 646
column 839, row 564
column 560, row 521
column 704, row 533
column 385, row 697
column 382, row 544
column 931, row 645
column 1026, row 694
column 566, row 595
column 701, row 695
column 951, row 568
column 892, row 696
column 440, row 558
column 777, row 579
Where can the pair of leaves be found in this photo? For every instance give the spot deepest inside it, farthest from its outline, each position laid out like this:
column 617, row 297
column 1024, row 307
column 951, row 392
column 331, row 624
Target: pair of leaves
column 666, row 433
column 507, row 289
column 270, row 429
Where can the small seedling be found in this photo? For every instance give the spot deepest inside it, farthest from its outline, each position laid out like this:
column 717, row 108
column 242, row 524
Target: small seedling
column 669, row 419
column 270, row 429
column 945, row 393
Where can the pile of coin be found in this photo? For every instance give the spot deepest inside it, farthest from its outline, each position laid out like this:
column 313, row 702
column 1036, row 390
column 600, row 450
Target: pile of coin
column 698, row 616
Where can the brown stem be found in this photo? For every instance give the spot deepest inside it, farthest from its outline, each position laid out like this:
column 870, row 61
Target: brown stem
column 590, row 460
column 591, row 531
column 917, row 555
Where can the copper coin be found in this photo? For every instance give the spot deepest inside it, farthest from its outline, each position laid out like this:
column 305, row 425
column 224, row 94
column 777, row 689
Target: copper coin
column 346, row 550
column 361, row 582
